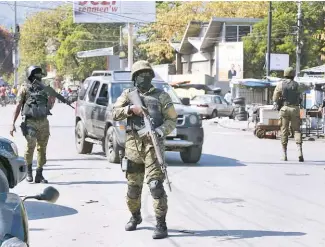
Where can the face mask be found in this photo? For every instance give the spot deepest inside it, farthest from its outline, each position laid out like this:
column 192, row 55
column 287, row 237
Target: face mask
column 38, row 76
column 143, row 81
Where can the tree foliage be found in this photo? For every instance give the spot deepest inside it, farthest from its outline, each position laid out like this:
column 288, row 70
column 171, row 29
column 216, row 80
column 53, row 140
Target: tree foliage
column 52, row 38
column 173, row 17
column 6, row 45
column 283, row 37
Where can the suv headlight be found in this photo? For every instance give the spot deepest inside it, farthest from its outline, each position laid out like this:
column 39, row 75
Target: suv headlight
column 15, row 148
column 193, row 119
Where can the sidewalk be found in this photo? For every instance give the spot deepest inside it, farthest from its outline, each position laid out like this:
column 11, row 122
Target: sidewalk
column 230, row 124
column 249, row 126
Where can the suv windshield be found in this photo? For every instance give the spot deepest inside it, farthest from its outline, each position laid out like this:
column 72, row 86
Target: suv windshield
column 117, row 89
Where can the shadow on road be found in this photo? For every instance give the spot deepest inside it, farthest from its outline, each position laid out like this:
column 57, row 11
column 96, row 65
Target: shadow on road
column 81, row 158
column 43, row 210
column 76, row 168
column 88, row 182
column 36, row 229
column 307, row 162
column 207, row 160
column 230, row 234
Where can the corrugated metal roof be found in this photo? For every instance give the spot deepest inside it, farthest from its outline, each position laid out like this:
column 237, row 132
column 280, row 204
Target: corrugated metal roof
column 315, row 69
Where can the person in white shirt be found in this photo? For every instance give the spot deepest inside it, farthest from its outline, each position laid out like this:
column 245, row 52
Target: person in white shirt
column 228, row 97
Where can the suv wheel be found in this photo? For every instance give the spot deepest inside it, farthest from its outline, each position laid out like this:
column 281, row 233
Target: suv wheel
column 191, row 154
column 112, row 148
column 82, row 146
column 4, row 185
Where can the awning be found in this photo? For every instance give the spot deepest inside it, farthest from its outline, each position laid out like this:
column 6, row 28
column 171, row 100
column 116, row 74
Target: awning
column 319, row 69
column 250, row 82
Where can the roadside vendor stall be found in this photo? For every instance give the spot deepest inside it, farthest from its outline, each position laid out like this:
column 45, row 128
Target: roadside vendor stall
column 312, row 118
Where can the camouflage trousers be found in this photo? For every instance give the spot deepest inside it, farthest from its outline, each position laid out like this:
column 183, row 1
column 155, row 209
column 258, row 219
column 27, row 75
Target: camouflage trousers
column 290, row 115
column 38, row 132
column 144, row 164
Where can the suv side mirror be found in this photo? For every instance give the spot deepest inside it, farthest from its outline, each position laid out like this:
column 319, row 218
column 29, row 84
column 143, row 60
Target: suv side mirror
column 102, row 101
column 185, row 101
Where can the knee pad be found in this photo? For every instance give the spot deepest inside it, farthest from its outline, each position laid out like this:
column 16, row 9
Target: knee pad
column 133, row 191
column 157, row 189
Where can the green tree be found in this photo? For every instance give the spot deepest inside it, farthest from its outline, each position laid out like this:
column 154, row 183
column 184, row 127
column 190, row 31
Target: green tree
column 283, row 37
column 173, row 17
column 52, row 38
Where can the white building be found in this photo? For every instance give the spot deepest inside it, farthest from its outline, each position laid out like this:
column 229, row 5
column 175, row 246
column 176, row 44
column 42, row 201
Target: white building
column 198, row 55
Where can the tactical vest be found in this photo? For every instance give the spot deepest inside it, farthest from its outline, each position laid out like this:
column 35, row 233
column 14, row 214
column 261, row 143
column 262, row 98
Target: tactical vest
column 151, row 102
column 290, row 92
column 36, row 104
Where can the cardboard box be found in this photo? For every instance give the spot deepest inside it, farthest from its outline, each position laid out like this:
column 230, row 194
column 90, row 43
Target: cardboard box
column 273, row 122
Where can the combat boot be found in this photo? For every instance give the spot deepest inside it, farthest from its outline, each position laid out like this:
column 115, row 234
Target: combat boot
column 161, row 228
column 284, row 149
column 135, row 220
column 300, row 157
column 39, row 176
column 29, row 177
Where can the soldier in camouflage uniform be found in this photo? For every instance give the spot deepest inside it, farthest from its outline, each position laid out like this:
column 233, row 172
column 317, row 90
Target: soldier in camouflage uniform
column 140, row 151
column 35, row 105
column 290, row 91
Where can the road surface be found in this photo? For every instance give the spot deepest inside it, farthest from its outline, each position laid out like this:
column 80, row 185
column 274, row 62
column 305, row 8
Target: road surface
column 240, row 194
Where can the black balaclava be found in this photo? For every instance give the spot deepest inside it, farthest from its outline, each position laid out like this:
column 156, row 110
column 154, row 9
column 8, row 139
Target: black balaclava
column 36, row 75
column 143, row 80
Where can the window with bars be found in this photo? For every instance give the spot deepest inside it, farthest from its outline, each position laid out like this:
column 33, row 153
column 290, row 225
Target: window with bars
column 235, row 33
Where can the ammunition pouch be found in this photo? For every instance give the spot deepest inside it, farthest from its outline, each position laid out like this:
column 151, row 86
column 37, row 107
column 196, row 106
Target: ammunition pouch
column 35, row 111
column 23, row 127
column 279, row 104
column 135, row 168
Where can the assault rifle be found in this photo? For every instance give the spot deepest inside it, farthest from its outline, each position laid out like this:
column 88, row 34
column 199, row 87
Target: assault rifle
column 52, row 92
column 149, row 129
column 279, row 103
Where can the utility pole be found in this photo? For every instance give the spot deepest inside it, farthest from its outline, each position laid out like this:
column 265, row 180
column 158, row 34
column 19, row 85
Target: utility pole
column 15, row 48
column 130, row 45
column 269, row 32
column 121, row 48
column 298, row 49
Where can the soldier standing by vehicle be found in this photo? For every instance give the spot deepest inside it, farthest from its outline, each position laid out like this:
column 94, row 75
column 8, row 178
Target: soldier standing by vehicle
column 140, row 151
column 34, row 102
column 288, row 91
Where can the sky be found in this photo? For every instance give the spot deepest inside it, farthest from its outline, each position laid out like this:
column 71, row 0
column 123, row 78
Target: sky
column 24, row 8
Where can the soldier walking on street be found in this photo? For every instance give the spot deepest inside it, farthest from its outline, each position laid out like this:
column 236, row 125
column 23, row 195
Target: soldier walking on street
column 140, row 151
column 289, row 92
column 34, row 104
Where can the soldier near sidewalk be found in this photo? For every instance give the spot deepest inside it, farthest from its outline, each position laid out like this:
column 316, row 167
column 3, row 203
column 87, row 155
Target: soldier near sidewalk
column 140, row 151
column 287, row 94
column 34, row 104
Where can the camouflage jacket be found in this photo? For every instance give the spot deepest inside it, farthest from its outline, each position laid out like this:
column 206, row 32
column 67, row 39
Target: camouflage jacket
column 278, row 89
column 121, row 107
column 23, row 94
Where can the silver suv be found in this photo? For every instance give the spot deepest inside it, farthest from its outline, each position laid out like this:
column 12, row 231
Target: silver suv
column 95, row 124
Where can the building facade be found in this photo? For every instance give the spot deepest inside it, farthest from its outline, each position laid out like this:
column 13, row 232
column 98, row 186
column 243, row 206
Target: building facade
column 201, row 53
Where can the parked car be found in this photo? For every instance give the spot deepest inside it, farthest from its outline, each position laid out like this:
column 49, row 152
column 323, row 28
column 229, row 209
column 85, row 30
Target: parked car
column 12, row 167
column 95, row 125
column 212, row 106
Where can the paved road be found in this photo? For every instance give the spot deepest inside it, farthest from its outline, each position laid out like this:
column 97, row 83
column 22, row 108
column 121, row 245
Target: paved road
column 240, row 194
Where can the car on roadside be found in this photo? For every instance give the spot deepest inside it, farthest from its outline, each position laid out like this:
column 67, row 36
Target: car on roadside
column 94, row 122
column 13, row 169
column 212, row 106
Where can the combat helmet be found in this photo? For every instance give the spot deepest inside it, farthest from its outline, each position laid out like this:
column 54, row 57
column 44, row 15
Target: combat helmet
column 139, row 66
column 289, row 72
column 31, row 70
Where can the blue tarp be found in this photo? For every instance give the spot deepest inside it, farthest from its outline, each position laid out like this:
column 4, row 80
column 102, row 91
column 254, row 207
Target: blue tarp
column 251, row 82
